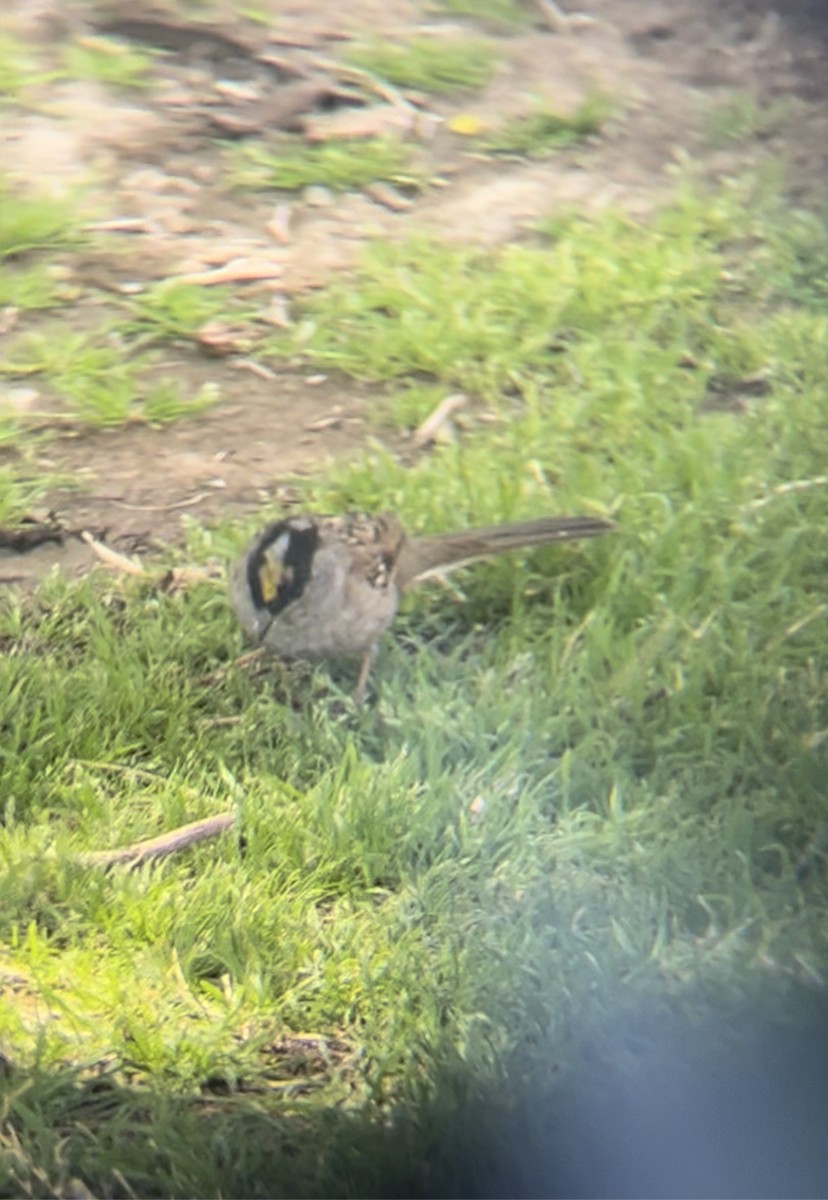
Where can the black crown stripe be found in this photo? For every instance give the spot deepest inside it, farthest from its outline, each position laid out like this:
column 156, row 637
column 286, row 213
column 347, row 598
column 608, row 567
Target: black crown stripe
column 297, row 561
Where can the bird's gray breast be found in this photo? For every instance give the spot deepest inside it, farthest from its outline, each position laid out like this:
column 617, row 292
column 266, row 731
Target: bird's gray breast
column 339, row 612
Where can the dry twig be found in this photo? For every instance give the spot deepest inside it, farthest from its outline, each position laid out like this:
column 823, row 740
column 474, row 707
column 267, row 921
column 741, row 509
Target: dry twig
column 112, row 558
column 238, row 270
column 559, row 21
column 430, row 429
column 784, row 489
column 158, row 847
column 367, row 80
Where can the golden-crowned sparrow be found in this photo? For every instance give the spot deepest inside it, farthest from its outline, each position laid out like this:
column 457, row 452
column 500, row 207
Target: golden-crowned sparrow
column 319, row 586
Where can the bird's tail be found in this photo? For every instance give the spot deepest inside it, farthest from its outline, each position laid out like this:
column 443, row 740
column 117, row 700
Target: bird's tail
column 441, row 552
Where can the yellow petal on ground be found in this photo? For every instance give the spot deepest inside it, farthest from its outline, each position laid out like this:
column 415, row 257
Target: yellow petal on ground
column 466, row 124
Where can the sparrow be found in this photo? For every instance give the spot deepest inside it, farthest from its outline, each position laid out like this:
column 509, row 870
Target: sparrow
column 316, row 587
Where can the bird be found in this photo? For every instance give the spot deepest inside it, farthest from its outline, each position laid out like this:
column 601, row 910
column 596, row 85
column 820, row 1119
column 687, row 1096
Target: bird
column 316, row 587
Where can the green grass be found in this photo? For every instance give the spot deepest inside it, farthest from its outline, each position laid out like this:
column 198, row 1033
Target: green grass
column 19, row 68
column 93, row 58
column 19, row 488
column 96, row 381
column 538, row 133
column 502, row 14
column 31, row 222
column 340, row 166
column 581, row 790
column 177, row 311
column 28, row 288
column 429, row 63
column 31, row 225
column 259, row 16
column 557, row 311
column 740, row 118
column 798, row 259
column 15, row 65
column 107, row 61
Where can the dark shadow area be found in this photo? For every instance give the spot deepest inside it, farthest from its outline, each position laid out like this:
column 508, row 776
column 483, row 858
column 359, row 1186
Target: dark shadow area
column 810, row 14
column 762, row 46
column 651, row 1106
column 805, row 21
column 673, row 1109
column 799, row 16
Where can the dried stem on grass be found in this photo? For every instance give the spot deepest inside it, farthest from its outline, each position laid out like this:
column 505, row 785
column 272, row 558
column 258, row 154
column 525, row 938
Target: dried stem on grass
column 158, row 847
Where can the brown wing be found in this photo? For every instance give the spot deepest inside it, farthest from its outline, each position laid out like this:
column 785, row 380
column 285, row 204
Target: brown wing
column 374, row 544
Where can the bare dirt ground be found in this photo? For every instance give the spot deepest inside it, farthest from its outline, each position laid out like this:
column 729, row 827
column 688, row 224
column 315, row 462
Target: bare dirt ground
column 154, row 159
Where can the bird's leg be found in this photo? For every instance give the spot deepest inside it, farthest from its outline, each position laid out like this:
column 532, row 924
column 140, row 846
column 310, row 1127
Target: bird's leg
column 364, row 671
